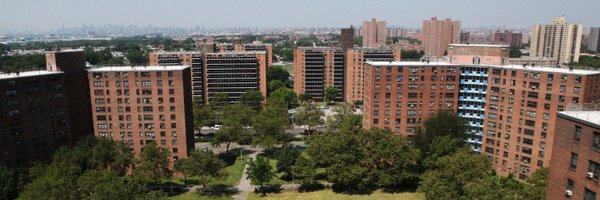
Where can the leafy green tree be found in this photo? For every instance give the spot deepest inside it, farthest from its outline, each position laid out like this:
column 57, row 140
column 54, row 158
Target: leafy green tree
column 10, row 183
column 110, row 155
column 274, row 85
column 330, row 93
column 204, row 116
column 304, row 97
column 219, row 101
column 515, row 52
column 344, row 119
column 286, row 158
column 286, row 95
column 270, row 124
column 447, row 180
column 206, row 166
column 185, row 166
column 304, row 170
column 154, row 163
column 137, row 57
column 235, row 119
column 277, row 73
column 443, row 123
column 538, row 182
column 411, row 54
column 309, row 116
column 260, row 172
column 253, row 99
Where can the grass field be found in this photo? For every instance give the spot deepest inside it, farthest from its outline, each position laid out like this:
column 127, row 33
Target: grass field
column 194, row 196
column 329, row 194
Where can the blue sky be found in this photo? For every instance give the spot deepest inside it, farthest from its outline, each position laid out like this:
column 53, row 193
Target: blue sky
column 51, row 14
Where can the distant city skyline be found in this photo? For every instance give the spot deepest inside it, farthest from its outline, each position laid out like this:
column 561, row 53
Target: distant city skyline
column 53, row 15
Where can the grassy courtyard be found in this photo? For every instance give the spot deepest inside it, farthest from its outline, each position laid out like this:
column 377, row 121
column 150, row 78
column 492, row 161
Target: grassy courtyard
column 329, row 194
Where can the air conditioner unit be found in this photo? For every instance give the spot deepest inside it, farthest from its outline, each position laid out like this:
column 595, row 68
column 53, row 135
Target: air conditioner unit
column 590, row 175
column 568, row 193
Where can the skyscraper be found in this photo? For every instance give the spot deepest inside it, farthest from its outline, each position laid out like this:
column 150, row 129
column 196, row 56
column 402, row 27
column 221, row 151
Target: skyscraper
column 593, row 40
column 374, row 33
column 438, row 34
column 560, row 41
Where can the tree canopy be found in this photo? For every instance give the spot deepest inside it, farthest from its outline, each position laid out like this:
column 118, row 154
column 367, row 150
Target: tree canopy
column 260, row 172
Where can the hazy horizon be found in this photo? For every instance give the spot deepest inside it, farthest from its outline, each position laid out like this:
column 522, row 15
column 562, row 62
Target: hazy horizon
column 52, row 15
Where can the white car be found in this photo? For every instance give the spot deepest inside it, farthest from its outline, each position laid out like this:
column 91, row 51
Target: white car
column 216, row 127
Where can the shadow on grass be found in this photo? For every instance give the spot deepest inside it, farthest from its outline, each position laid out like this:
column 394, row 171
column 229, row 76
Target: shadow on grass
column 353, row 189
column 173, row 188
column 409, row 187
column 267, row 189
column 311, row 187
column 217, row 190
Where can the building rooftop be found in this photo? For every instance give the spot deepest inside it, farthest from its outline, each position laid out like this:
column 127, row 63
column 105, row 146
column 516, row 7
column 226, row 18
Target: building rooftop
column 138, row 68
column 480, row 45
column 66, row 51
column 176, row 52
column 550, row 69
column 28, row 74
column 409, row 63
column 591, row 117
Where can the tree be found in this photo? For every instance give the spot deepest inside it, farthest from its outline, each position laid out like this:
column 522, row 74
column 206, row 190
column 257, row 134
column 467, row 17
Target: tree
column 286, row 95
column 204, row 116
column 154, row 163
column 304, row 170
column 219, row 100
column 442, row 123
column 309, row 116
column 205, row 165
column 10, row 183
column 275, row 85
column 270, row 124
column 447, row 180
column 277, row 73
column 186, row 167
column 113, row 156
column 137, row 57
column 235, row 119
column 304, row 97
column 331, row 93
column 344, row 119
column 286, row 158
column 356, row 160
column 538, row 182
column 253, row 99
column 515, row 52
column 411, row 54
column 260, row 172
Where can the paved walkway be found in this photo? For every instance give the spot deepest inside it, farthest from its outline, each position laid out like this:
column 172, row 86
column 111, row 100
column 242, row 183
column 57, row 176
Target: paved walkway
column 244, row 187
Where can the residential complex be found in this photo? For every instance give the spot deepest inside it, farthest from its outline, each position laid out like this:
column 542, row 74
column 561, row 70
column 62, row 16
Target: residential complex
column 510, row 109
column 233, row 72
column 316, row 69
column 347, row 36
column 521, row 113
column 438, row 34
column 143, row 105
column 374, row 33
column 559, row 41
column 400, row 95
column 43, row 110
column 354, row 69
column 509, row 38
column 575, row 167
column 255, row 46
column 593, row 40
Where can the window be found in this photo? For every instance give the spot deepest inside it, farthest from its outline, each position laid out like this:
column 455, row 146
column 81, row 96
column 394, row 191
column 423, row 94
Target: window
column 573, row 164
column 596, row 141
column 570, row 184
column 577, row 133
column 589, row 195
column 595, row 169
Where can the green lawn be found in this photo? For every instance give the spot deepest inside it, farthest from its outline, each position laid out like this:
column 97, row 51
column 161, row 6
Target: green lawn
column 329, row 194
column 193, row 196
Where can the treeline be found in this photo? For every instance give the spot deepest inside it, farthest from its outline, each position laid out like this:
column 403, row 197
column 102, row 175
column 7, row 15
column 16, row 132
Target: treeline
column 21, row 63
column 587, row 62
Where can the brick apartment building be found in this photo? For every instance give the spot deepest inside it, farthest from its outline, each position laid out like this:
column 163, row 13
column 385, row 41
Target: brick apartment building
column 400, row 95
column 510, row 110
column 43, row 110
column 507, row 37
column 316, row 68
column 437, row 34
column 575, row 167
column 354, row 69
column 141, row 105
column 478, row 54
column 255, row 46
column 521, row 113
column 233, row 72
